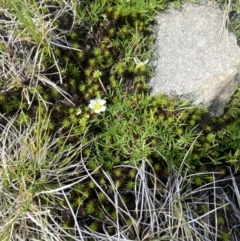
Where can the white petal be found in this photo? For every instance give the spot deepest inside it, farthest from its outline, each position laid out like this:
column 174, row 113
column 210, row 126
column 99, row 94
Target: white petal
column 103, row 108
column 97, row 111
column 102, row 102
column 92, row 103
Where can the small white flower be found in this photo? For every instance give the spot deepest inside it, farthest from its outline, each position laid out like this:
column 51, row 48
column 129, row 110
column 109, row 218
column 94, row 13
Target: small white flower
column 97, row 105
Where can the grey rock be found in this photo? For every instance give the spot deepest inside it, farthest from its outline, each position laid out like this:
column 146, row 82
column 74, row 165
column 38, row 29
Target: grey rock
column 195, row 56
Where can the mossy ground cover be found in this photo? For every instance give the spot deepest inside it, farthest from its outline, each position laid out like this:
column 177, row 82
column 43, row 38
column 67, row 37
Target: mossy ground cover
column 143, row 169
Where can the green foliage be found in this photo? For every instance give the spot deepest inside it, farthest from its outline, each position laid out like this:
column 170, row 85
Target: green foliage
column 130, row 185
column 227, row 134
column 101, row 197
column 93, row 226
column 129, row 137
column 205, row 208
column 90, row 207
column 105, row 55
column 91, row 184
column 225, row 236
column 26, row 14
column 198, row 180
column 118, row 172
column 220, row 220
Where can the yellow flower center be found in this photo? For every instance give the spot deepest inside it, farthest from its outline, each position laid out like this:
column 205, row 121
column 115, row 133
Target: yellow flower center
column 97, row 106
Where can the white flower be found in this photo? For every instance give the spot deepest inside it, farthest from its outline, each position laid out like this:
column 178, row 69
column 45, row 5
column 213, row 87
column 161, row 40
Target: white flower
column 97, row 105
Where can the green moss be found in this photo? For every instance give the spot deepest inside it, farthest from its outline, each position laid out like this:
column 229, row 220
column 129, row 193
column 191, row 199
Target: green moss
column 79, row 201
column 135, row 126
column 100, row 215
column 90, row 207
column 130, row 185
column 118, row 172
column 102, row 197
column 130, row 139
column 73, row 35
column 91, row 184
column 225, row 236
column 198, row 181
column 94, row 226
